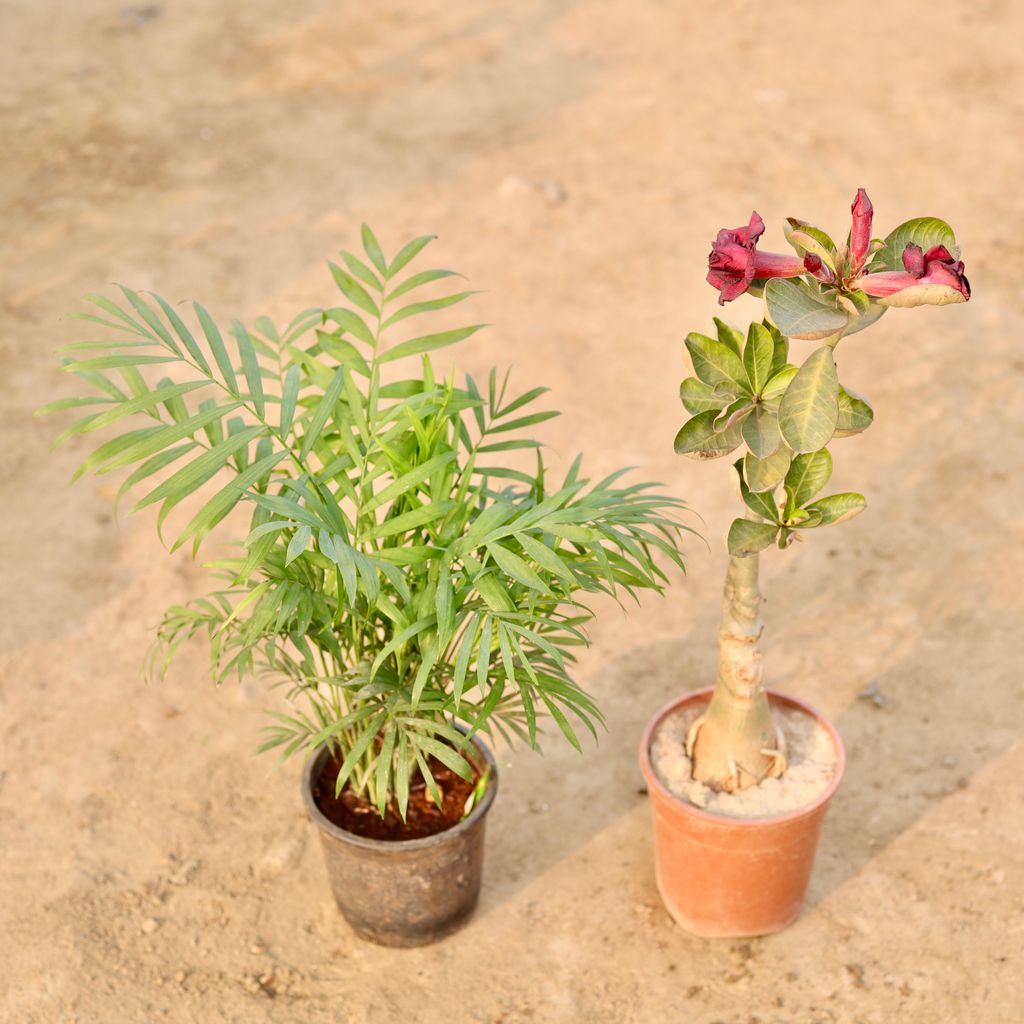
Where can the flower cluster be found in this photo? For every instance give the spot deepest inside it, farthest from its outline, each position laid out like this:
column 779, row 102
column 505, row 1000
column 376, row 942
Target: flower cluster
column 910, row 275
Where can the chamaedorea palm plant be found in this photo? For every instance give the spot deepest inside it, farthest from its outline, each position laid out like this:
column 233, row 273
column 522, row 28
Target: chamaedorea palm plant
column 746, row 393
column 401, row 570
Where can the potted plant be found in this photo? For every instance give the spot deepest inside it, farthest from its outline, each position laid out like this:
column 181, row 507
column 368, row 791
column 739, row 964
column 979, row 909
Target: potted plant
column 741, row 777
column 409, row 572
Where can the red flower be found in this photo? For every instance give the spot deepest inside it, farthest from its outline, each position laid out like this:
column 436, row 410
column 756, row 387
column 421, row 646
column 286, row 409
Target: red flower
column 930, row 278
column 860, row 232
column 734, row 261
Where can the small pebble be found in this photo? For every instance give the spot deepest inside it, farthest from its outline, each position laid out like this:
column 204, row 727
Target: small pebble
column 258, row 949
column 141, row 14
column 553, row 191
column 150, row 925
column 873, row 694
column 184, row 874
column 513, row 185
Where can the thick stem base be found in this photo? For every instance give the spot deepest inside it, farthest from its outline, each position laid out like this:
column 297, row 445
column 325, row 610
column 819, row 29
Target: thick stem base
column 735, row 743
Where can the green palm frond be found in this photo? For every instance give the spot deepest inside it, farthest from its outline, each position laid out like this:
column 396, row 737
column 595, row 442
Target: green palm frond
column 401, row 571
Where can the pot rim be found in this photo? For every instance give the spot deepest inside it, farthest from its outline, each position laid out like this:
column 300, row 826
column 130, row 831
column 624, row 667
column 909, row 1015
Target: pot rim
column 722, row 820
column 311, row 770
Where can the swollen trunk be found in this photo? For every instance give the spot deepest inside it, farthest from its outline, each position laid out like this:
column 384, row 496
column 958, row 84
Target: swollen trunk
column 735, row 744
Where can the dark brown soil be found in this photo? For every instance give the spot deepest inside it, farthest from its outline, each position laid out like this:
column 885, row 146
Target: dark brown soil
column 423, row 817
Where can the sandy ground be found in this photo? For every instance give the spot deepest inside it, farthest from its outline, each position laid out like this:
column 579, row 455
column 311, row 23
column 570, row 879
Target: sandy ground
column 575, row 158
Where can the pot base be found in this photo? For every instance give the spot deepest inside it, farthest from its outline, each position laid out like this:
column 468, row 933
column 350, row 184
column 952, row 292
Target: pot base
column 700, row 926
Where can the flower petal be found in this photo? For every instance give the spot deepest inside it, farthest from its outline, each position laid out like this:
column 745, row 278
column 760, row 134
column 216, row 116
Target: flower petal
column 922, row 293
column 914, row 260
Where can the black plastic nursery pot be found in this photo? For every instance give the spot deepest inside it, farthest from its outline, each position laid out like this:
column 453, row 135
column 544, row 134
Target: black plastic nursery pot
column 408, row 892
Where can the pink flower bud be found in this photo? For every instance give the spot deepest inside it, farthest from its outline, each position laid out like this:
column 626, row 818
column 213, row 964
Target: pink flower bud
column 860, row 232
column 734, row 261
column 817, row 268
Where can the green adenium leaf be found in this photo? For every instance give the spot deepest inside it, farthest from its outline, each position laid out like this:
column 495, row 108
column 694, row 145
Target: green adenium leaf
column 761, row 432
column 734, row 414
column 698, row 397
column 762, row 503
column 794, row 228
column 800, row 311
column 810, row 406
column 716, row 363
column 806, row 519
column 837, row 508
column 780, row 355
column 777, row 384
column 863, row 310
column 758, row 354
column 747, row 537
column 767, row 473
column 811, row 240
column 855, row 413
column 699, row 439
column 807, row 475
column 729, row 336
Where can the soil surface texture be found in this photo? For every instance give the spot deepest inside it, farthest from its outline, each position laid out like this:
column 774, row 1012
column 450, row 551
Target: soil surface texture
column 810, row 757
column 423, row 816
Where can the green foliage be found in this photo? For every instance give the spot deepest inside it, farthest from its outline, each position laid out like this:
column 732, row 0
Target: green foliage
column 404, row 568
column 746, row 393
column 735, row 395
column 809, row 409
column 801, row 508
column 799, row 309
column 766, row 474
column 854, row 413
column 805, row 238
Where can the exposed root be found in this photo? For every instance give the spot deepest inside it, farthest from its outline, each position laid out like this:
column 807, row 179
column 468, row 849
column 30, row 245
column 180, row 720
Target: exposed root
column 731, row 783
column 691, row 735
column 778, row 755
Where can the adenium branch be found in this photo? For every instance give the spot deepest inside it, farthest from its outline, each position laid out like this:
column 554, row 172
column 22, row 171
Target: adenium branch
column 747, row 395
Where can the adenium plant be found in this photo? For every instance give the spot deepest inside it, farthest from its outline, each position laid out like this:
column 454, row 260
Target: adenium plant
column 747, row 395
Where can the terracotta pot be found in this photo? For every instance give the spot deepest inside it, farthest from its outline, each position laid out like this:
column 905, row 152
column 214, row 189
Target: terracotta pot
column 410, row 892
column 733, row 877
